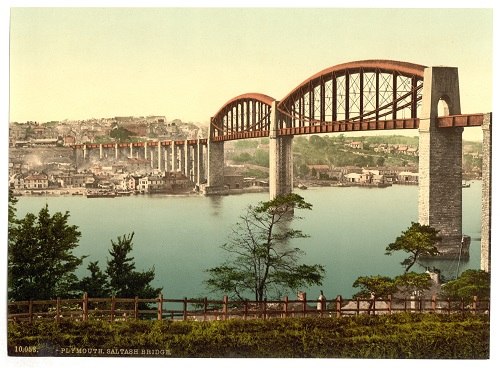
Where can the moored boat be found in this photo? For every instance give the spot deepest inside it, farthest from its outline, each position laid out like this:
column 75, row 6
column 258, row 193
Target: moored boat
column 100, row 194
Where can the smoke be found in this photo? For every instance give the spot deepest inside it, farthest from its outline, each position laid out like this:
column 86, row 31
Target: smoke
column 34, row 161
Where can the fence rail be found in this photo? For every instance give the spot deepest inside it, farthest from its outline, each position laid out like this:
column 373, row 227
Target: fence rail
column 115, row 309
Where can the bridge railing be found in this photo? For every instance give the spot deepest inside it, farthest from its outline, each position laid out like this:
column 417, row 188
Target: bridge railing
column 203, row 309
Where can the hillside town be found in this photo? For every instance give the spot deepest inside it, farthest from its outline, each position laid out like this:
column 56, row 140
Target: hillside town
column 42, row 161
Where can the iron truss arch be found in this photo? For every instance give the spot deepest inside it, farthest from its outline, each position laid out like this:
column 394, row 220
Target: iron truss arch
column 360, row 95
column 245, row 116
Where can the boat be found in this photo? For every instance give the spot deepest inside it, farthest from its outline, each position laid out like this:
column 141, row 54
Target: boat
column 101, row 194
column 301, row 186
column 465, row 185
column 123, row 193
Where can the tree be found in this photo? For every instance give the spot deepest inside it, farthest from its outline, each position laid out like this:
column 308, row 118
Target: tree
column 412, row 283
column 380, row 161
column 12, row 220
column 121, row 134
column 374, row 287
column 96, row 285
column 124, row 281
column 470, row 283
column 418, row 240
column 40, row 260
column 261, row 260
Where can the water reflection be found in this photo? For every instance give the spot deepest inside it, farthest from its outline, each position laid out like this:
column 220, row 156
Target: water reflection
column 215, row 205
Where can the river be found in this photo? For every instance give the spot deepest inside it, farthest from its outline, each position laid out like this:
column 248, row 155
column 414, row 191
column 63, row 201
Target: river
column 180, row 236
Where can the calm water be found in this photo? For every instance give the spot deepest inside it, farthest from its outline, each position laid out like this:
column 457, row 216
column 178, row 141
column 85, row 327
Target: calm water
column 180, row 235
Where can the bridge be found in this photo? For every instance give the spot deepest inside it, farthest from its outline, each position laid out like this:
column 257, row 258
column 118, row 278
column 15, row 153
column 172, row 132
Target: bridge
column 356, row 96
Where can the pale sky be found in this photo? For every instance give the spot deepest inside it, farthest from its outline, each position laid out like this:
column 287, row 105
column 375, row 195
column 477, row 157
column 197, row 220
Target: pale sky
column 79, row 63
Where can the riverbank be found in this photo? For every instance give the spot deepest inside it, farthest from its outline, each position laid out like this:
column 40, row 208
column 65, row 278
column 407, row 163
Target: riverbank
column 82, row 192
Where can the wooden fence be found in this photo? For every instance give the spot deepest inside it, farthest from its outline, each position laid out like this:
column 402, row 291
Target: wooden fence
column 120, row 309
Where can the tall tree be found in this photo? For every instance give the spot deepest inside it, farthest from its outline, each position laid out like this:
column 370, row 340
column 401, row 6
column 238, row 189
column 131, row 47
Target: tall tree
column 124, row 280
column 41, row 264
column 12, row 210
column 261, row 261
column 96, row 285
column 418, row 240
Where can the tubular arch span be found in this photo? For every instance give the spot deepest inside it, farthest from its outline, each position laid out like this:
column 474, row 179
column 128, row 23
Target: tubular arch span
column 360, row 95
column 244, row 116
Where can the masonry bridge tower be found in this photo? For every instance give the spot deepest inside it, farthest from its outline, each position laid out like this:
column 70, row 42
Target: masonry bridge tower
column 364, row 96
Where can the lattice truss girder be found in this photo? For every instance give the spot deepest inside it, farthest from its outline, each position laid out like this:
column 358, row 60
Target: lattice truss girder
column 242, row 115
column 354, row 96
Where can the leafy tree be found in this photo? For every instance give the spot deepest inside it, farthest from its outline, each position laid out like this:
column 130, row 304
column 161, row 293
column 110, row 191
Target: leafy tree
column 470, row 283
column 261, row 261
column 124, row 281
column 12, row 213
column 418, row 240
column 121, row 134
column 243, row 157
column 40, row 260
column 261, row 158
column 412, row 283
column 380, row 161
column 96, row 285
column 374, row 287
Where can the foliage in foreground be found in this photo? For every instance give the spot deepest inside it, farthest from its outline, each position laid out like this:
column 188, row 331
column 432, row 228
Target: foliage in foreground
column 470, row 283
column 421, row 336
column 41, row 263
column 260, row 259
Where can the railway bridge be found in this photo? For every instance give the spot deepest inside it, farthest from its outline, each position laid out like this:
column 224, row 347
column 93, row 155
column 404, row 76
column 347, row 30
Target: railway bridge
column 356, row 96
column 365, row 96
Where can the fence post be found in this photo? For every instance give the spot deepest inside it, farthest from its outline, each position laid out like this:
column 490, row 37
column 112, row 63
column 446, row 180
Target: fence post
column 136, row 308
column 389, row 304
column 474, row 304
column 405, row 305
column 112, row 308
column 357, row 306
column 265, row 307
column 205, row 308
column 184, row 309
column 58, row 308
column 338, row 306
column 160, row 307
column 433, row 303
column 85, row 307
column 245, row 315
column 304, row 305
column 224, row 306
column 286, row 306
column 30, row 310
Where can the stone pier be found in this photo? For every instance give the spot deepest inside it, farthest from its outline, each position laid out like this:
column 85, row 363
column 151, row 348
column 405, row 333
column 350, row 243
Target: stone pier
column 174, row 164
column 486, row 197
column 215, row 169
column 440, row 161
column 280, row 158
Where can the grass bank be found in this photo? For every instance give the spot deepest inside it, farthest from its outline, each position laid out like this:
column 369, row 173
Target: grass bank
column 421, row 336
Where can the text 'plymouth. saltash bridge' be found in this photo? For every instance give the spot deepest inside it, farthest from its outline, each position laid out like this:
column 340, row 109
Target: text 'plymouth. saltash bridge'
column 357, row 96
